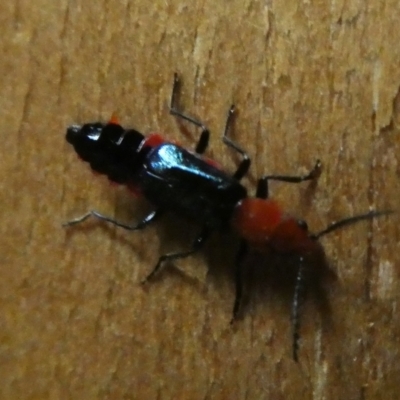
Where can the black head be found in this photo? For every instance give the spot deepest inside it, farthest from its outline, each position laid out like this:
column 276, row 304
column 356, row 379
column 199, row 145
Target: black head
column 108, row 148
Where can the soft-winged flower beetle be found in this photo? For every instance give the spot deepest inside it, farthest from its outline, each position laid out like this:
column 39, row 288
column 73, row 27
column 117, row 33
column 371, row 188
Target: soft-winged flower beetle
column 186, row 182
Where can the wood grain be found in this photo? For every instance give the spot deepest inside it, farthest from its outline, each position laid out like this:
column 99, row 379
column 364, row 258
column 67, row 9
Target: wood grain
column 310, row 80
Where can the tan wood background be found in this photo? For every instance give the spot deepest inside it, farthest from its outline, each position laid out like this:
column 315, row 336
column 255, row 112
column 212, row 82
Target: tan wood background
column 311, row 80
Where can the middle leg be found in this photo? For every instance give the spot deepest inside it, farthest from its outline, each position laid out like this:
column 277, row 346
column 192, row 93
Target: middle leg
column 196, row 246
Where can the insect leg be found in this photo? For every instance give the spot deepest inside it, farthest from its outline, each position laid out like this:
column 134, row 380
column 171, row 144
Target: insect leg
column 143, row 223
column 196, row 246
column 239, row 279
column 202, row 144
column 262, row 187
column 245, row 163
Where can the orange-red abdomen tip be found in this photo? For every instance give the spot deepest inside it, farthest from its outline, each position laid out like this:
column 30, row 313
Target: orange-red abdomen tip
column 114, row 119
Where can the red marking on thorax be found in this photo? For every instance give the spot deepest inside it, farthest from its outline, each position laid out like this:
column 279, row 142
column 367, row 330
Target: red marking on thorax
column 256, row 219
column 289, row 237
column 263, row 224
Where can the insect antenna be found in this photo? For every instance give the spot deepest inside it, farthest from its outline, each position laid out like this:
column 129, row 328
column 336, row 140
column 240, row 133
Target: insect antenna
column 299, row 291
column 348, row 221
column 298, row 299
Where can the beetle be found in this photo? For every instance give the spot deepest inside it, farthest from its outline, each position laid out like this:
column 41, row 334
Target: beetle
column 186, row 182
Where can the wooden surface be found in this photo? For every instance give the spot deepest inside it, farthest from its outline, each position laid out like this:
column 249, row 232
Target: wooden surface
column 310, row 80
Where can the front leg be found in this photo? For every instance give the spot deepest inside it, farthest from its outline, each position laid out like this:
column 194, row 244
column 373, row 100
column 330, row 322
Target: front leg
column 262, row 186
column 239, row 279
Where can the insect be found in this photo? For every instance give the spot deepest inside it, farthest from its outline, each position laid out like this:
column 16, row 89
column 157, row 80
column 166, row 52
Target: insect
column 175, row 179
